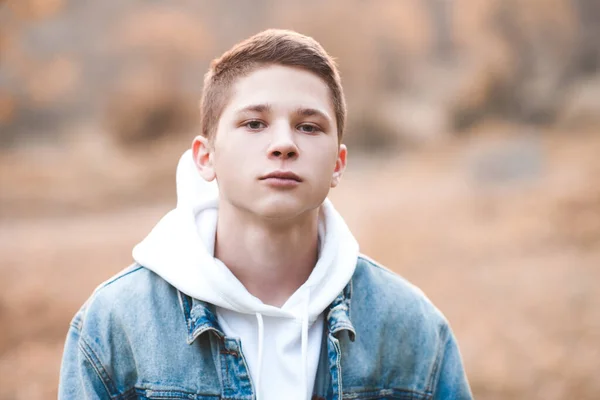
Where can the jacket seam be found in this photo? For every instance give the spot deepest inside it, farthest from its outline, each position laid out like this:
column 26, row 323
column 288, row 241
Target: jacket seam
column 77, row 321
column 82, row 313
column 403, row 394
column 101, row 372
column 349, row 299
column 134, row 268
column 436, row 371
column 374, row 264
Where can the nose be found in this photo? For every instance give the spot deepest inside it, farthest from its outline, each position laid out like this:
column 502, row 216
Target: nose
column 283, row 145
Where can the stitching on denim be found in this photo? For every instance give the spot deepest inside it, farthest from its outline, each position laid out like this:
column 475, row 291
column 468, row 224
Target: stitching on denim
column 338, row 362
column 375, row 264
column 194, row 331
column 340, row 326
column 402, row 394
column 339, row 307
column 349, row 298
column 179, row 297
column 199, row 332
column 129, row 394
column 435, row 371
column 185, row 307
column 122, row 275
column 94, row 360
column 77, row 321
column 167, row 394
column 342, row 306
column 245, row 364
column 83, row 310
column 185, row 302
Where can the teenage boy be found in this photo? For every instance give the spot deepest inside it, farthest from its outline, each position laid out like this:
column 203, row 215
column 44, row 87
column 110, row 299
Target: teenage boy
column 255, row 288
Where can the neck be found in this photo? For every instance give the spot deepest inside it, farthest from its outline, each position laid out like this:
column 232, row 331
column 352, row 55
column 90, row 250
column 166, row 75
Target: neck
column 272, row 260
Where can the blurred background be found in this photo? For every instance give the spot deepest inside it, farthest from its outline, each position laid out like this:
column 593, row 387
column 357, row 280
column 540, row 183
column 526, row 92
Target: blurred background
column 474, row 163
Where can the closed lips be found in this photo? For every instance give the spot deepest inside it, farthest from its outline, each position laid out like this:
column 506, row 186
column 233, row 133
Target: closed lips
column 282, row 175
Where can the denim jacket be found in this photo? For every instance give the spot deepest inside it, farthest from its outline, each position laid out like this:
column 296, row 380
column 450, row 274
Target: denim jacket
column 138, row 337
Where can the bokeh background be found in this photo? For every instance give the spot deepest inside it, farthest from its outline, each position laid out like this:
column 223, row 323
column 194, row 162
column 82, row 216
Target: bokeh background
column 474, row 163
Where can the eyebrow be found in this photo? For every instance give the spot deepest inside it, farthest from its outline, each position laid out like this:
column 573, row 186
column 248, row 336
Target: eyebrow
column 258, row 108
column 310, row 112
column 267, row 108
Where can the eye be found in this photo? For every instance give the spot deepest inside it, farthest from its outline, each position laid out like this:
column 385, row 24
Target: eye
column 254, row 125
column 308, row 128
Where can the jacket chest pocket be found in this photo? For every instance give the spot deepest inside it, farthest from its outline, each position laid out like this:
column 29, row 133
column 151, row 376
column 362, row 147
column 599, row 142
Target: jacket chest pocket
column 151, row 394
column 386, row 394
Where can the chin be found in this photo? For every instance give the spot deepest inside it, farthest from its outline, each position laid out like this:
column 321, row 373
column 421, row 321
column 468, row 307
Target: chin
column 282, row 210
column 279, row 212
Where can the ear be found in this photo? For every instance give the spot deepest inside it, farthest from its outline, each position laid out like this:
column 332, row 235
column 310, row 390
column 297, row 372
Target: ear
column 203, row 157
column 340, row 165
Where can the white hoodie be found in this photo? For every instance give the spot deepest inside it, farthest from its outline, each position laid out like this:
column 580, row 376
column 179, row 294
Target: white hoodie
column 180, row 249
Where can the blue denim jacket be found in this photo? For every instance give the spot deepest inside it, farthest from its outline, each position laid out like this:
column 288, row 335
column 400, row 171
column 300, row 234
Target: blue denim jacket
column 138, row 337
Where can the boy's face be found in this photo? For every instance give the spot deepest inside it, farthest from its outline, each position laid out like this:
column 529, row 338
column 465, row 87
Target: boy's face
column 276, row 152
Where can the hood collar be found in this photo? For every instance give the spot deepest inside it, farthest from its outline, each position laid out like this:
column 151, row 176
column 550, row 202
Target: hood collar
column 200, row 316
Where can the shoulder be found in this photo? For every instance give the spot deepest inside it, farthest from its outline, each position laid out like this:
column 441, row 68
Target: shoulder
column 123, row 318
column 133, row 294
column 397, row 325
column 400, row 335
column 393, row 300
column 388, row 286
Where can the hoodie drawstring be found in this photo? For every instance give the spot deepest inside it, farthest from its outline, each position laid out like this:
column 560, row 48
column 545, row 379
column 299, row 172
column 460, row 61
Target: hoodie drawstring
column 304, row 346
column 261, row 334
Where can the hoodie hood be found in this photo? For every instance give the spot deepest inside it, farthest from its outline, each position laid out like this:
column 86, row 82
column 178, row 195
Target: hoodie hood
column 180, row 249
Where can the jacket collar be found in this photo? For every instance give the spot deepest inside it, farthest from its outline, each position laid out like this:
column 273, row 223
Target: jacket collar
column 200, row 317
column 338, row 314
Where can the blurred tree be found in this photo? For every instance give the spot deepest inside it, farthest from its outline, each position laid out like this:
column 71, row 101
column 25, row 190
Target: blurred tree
column 35, row 10
column 540, row 37
column 148, row 99
column 588, row 47
column 440, row 12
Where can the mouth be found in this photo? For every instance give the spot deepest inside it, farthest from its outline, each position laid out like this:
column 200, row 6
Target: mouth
column 283, row 175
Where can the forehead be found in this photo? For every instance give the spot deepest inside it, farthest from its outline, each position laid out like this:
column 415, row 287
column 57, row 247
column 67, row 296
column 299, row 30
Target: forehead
column 282, row 87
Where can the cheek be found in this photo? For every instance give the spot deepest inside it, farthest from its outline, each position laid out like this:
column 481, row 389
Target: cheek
column 226, row 152
column 233, row 166
column 222, row 164
column 328, row 158
column 322, row 166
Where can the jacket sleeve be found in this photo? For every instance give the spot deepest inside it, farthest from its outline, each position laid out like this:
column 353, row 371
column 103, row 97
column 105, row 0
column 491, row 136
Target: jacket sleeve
column 452, row 381
column 80, row 372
